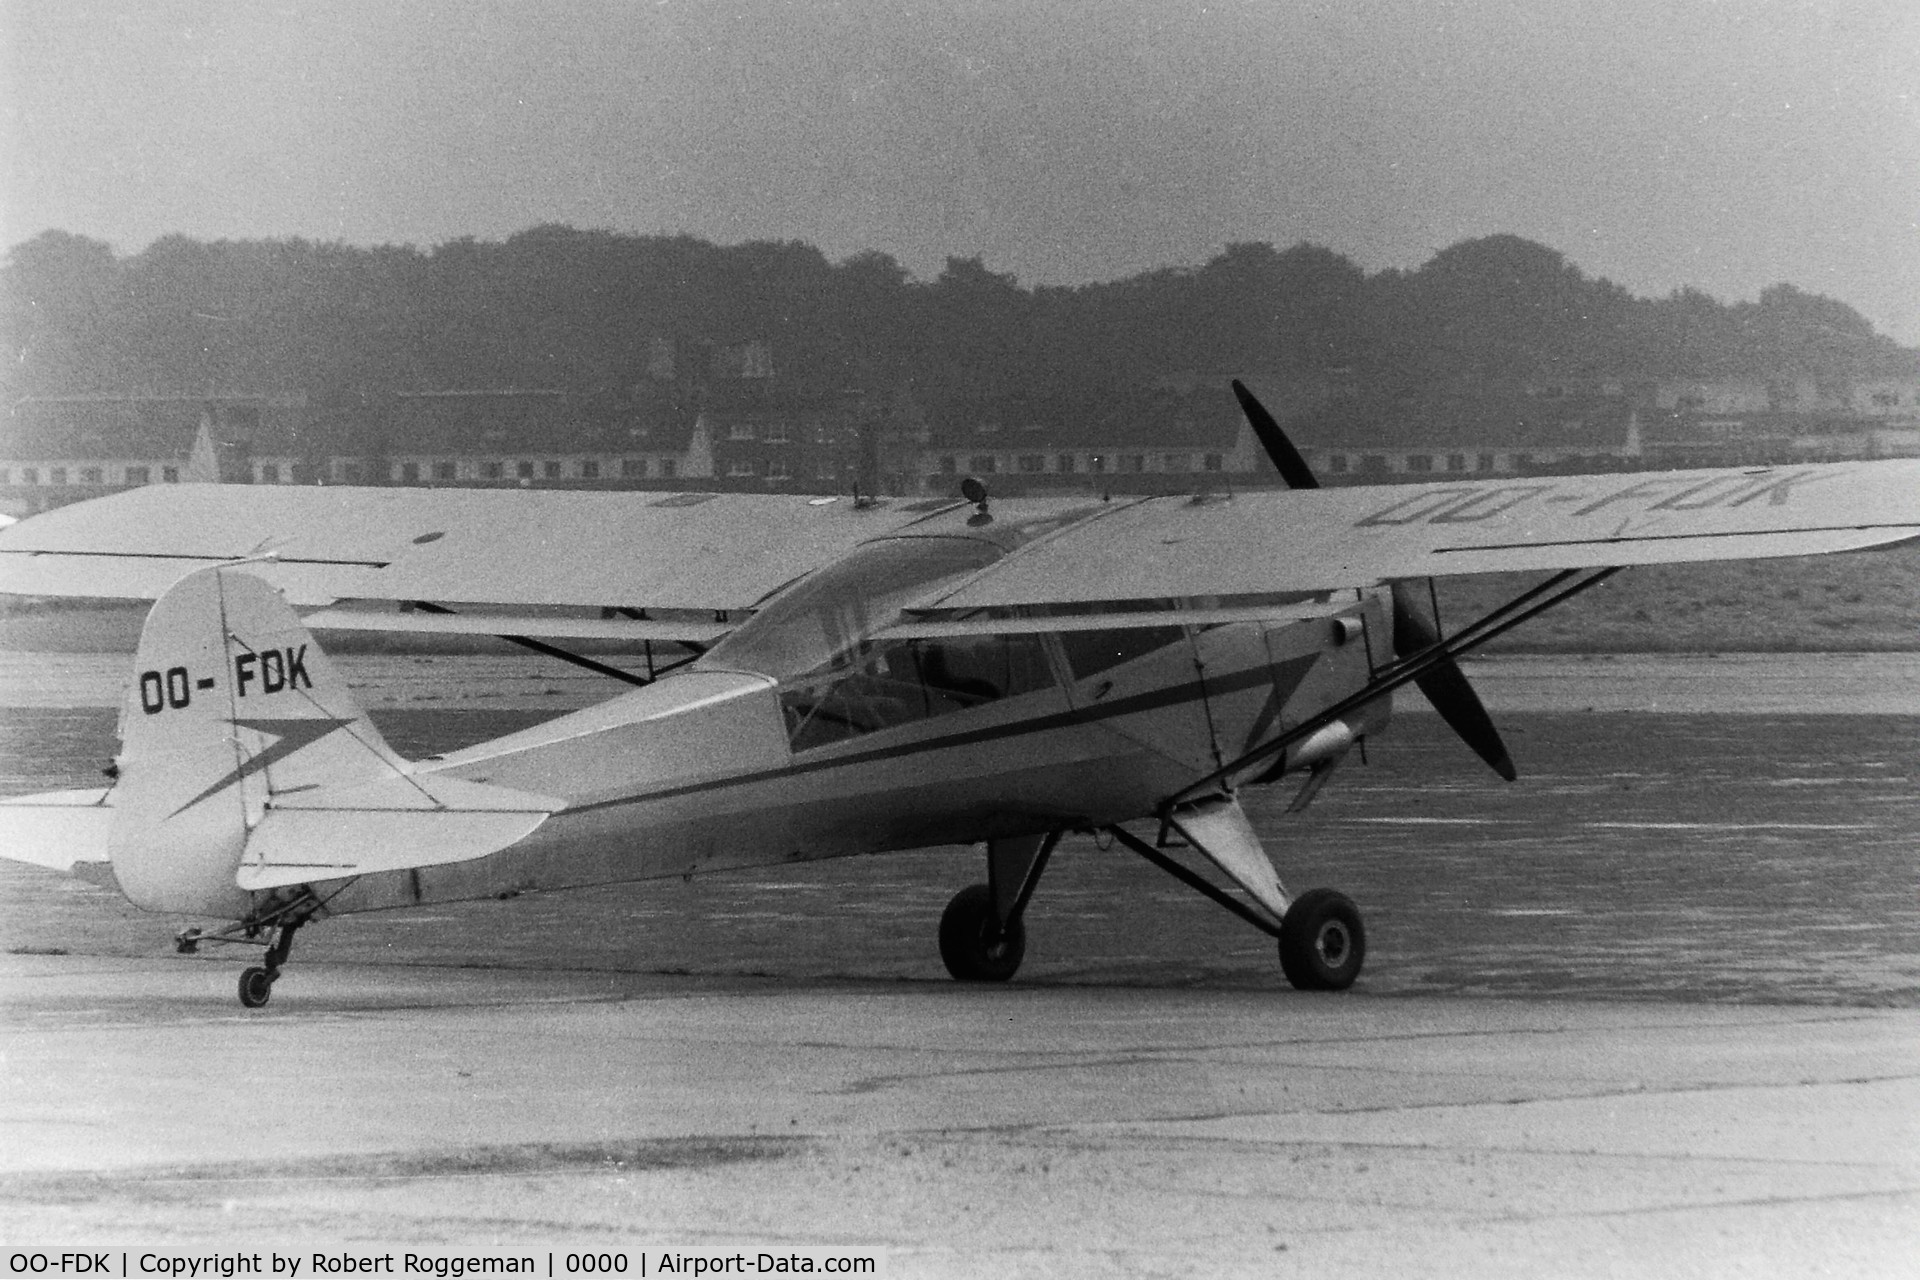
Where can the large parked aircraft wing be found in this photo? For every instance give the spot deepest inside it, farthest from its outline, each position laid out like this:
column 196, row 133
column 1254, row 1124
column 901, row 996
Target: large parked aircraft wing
column 485, row 551
column 1328, row 539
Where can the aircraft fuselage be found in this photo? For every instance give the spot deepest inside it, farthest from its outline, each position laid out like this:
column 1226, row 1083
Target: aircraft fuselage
column 712, row 769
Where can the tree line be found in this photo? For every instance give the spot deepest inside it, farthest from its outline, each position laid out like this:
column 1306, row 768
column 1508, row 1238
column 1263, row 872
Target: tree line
column 555, row 307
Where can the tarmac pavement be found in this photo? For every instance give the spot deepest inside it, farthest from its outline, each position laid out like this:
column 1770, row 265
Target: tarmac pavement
column 1147, row 1100
column 1030, row 1130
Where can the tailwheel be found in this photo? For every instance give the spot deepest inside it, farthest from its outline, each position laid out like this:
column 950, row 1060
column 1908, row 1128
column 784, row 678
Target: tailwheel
column 256, row 985
column 1322, row 941
column 974, row 943
column 256, row 981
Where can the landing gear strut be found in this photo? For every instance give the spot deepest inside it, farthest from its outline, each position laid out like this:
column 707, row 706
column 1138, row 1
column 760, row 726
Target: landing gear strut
column 279, row 920
column 1323, row 941
column 982, row 937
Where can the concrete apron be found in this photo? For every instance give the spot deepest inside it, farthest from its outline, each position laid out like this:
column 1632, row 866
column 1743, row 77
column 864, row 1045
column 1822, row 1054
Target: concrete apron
column 1027, row 1130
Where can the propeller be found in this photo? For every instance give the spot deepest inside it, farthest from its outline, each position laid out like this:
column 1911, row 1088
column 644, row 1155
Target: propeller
column 1445, row 684
column 1286, row 459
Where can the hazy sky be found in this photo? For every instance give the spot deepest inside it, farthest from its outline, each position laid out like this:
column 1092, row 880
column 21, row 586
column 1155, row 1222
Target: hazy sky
column 1726, row 144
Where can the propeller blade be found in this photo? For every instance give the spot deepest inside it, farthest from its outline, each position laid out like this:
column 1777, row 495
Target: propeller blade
column 1286, row 459
column 1446, row 685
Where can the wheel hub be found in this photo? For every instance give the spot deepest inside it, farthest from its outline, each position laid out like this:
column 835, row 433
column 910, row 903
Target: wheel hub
column 1332, row 943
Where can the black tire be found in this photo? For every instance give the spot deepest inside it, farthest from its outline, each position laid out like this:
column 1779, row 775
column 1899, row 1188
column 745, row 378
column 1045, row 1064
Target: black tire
column 256, row 986
column 973, row 944
column 1323, row 941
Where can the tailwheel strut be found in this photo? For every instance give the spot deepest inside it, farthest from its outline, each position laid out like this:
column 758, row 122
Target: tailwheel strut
column 271, row 927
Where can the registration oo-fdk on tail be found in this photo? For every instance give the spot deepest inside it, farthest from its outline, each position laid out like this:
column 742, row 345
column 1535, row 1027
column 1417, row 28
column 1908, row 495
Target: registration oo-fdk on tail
column 819, row 677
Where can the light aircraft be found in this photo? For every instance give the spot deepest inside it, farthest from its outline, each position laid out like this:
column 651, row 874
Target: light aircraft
column 869, row 676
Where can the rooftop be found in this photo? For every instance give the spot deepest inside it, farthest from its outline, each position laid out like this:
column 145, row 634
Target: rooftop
column 149, row 426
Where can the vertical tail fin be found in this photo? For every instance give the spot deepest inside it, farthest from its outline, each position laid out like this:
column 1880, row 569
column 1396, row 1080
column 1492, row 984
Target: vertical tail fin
column 232, row 704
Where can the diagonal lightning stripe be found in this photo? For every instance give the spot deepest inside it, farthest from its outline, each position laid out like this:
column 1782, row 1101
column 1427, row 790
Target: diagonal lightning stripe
column 1287, row 675
column 290, row 736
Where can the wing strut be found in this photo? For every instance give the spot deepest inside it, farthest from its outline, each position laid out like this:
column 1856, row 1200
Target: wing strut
column 578, row 660
column 1441, row 653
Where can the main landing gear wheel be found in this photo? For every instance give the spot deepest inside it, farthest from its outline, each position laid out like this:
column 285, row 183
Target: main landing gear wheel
column 1322, row 941
column 974, row 944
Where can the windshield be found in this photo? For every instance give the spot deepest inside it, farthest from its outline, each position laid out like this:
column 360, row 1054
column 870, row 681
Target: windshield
column 829, row 613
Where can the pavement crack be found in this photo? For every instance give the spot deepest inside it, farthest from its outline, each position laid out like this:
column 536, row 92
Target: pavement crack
column 515, row 1159
column 875, row 1083
column 1596, row 1095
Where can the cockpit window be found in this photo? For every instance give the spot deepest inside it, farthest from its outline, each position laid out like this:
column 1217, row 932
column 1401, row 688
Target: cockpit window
column 883, row 684
column 838, row 682
column 827, row 615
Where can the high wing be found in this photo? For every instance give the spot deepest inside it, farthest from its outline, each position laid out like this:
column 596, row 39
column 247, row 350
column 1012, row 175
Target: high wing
column 507, row 556
column 499, row 559
column 1279, row 541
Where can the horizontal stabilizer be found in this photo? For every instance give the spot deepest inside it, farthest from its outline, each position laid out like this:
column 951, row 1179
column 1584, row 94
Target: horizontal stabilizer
column 57, row 829
column 393, row 824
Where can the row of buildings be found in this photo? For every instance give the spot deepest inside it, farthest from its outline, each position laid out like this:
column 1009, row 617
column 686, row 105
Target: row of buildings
column 753, row 432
